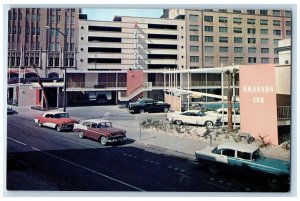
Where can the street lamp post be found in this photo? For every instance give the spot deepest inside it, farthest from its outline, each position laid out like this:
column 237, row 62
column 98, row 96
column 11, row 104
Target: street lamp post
column 65, row 66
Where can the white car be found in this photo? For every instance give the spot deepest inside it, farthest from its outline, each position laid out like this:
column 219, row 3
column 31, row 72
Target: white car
column 224, row 117
column 196, row 117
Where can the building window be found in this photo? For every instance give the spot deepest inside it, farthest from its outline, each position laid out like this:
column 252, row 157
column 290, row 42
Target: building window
column 33, row 30
column 250, row 11
column 237, row 30
column 223, row 29
column 57, row 32
column 288, row 13
column 238, row 60
column 72, row 19
column 264, row 41
column 276, row 41
column 238, row 49
column 194, row 38
column 209, row 28
column 194, row 28
column 237, row 20
column 209, row 60
column 38, row 17
column 224, row 60
column 264, row 50
column 288, row 23
column 14, row 29
column 252, row 50
column 194, row 59
column 223, row 19
column 238, row 40
column 263, row 12
column 72, row 46
column 275, row 50
column 72, row 32
column 194, row 18
column 57, row 18
column 209, row 39
column 50, row 61
column 251, row 31
column 251, row 60
column 37, row 45
column 33, row 17
column 288, row 32
column 51, row 46
column 223, row 39
column 251, row 40
column 264, row 60
column 57, row 46
column 276, row 60
column 223, row 10
column 223, row 49
column 276, row 23
column 250, row 21
column 276, row 12
column 52, row 18
column 264, row 22
column 19, row 30
column 67, row 32
column 194, row 48
column 71, row 62
column 68, row 19
column 56, row 61
column 18, row 61
column 208, row 18
column 277, row 32
column 209, row 49
column 237, row 11
column 20, row 16
column 26, row 61
column 264, row 31
column 27, row 17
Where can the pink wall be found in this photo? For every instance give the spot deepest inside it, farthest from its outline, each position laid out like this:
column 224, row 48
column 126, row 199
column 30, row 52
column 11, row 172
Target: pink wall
column 135, row 79
column 258, row 101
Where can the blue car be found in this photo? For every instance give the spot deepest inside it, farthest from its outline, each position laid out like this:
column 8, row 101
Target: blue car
column 245, row 157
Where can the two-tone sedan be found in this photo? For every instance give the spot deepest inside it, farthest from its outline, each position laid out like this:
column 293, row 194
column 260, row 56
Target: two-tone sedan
column 245, row 158
column 99, row 130
column 57, row 120
column 195, row 117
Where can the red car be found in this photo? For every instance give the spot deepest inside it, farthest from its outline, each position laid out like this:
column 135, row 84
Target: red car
column 100, row 130
column 56, row 119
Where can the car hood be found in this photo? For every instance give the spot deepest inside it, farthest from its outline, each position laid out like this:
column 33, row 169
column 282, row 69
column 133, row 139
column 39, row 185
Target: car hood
column 275, row 165
column 113, row 131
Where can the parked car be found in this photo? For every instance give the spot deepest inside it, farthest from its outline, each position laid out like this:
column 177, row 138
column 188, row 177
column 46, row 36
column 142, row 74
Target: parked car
column 100, row 130
column 148, row 105
column 236, row 119
column 196, row 117
column 56, row 119
column 247, row 158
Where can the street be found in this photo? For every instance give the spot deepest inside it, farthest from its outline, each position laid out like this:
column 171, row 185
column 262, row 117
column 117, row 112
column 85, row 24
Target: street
column 40, row 158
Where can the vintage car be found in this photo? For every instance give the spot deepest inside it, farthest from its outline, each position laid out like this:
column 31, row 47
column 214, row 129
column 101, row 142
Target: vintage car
column 148, row 105
column 56, row 119
column 224, row 115
column 196, row 117
column 100, row 130
column 247, row 158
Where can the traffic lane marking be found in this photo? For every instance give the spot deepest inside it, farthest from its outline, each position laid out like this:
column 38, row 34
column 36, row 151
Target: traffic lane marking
column 80, row 166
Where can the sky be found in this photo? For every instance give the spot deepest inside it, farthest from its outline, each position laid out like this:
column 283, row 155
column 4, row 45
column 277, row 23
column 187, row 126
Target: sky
column 108, row 14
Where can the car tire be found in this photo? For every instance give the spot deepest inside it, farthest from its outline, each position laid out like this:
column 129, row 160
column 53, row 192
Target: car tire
column 142, row 111
column 209, row 124
column 80, row 135
column 103, row 140
column 58, row 128
column 39, row 124
column 274, row 183
column 213, row 168
column 166, row 109
column 178, row 122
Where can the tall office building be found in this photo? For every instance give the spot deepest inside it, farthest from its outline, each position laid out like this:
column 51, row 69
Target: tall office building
column 29, row 42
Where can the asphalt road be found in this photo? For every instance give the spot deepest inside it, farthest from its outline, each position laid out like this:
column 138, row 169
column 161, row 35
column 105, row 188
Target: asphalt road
column 40, row 158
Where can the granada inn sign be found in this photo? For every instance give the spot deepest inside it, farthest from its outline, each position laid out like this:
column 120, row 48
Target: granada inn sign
column 258, row 105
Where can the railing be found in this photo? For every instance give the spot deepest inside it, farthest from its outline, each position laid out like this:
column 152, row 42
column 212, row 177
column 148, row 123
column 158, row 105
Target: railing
column 211, row 83
column 99, row 85
column 284, row 112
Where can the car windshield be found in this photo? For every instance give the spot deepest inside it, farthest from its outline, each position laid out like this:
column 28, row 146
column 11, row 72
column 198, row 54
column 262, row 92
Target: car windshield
column 104, row 125
column 257, row 155
column 61, row 115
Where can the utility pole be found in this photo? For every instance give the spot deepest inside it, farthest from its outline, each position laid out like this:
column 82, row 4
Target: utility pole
column 229, row 97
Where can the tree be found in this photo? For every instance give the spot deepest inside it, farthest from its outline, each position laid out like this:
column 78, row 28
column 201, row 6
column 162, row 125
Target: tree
column 42, row 87
column 229, row 99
